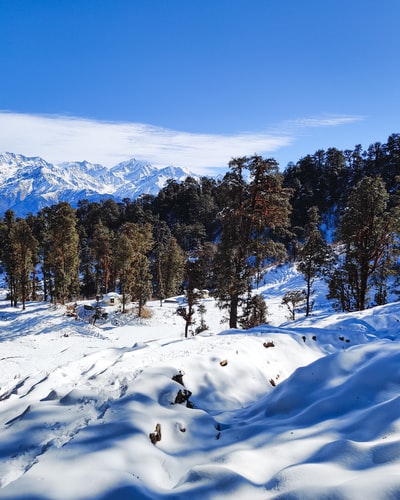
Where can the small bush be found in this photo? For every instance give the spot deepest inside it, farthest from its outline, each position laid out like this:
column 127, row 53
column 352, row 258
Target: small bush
column 146, row 313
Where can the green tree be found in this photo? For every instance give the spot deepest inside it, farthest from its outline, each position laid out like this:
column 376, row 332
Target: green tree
column 340, row 288
column 168, row 263
column 293, row 300
column 132, row 245
column 101, row 251
column 315, row 256
column 32, row 223
column 192, row 293
column 24, row 253
column 7, row 256
column 141, row 285
column 366, row 229
column 385, row 269
column 205, row 256
column 19, row 254
column 255, row 312
column 254, row 210
column 63, row 254
column 123, row 258
column 40, row 226
column 86, row 265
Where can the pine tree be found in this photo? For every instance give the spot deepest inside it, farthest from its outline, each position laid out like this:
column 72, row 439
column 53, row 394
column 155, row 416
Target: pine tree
column 86, row 265
column 32, row 223
column 192, row 293
column 253, row 212
column 19, row 254
column 41, row 229
column 7, row 256
column 101, row 251
column 24, row 253
column 141, row 285
column 315, row 256
column 132, row 245
column 167, row 264
column 63, row 256
column 123, row 258
column 231, row 269
column 205, row 256
column 367, row 228
column 340, row 289
column 293, row 300
column 255, row 312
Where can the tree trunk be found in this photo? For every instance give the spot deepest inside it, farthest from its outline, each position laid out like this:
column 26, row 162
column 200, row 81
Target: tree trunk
column 308, row 295
column 233, row 312
column 187, row 327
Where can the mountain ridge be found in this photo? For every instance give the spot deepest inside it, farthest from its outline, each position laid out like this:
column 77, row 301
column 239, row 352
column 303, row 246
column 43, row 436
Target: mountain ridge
column 30, row 183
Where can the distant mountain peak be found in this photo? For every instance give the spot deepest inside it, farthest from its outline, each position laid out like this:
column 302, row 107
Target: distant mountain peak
column 28, row 184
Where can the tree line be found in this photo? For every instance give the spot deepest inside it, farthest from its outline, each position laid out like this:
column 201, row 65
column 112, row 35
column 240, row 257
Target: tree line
column 334, row 213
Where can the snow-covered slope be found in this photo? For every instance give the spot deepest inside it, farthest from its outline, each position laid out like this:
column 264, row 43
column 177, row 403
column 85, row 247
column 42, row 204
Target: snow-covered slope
column 29, row 184
column 131, row 409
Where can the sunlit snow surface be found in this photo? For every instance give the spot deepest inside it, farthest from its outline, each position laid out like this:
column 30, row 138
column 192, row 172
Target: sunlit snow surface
column 306, row 410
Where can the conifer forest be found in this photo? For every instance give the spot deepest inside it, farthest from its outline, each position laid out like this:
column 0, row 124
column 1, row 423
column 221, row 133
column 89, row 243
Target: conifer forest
column 333, row 213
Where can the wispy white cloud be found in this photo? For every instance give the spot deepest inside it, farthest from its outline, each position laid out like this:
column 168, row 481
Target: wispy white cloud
column 327, row 121
column 63, row 138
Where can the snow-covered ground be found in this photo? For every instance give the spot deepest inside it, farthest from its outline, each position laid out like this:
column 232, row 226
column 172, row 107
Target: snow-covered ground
column 131, row 409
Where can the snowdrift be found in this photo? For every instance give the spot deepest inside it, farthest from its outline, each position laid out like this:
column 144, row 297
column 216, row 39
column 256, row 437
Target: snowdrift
column 309, row 409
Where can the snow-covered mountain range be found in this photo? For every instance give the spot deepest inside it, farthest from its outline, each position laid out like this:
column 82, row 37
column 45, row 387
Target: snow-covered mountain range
column 28, row 184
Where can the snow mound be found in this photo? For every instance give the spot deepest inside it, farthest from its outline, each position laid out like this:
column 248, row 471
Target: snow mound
column 128, row 409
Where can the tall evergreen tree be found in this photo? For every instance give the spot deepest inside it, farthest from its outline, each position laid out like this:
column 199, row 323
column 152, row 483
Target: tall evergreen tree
column 8, row 257
column 167, row 263
column 192, row 279
column 205, row 257
column 19, row 254
column 141, row 284
column 132, row 245
column 41, row 229
column 33, row 225
column 86, row 264
column 255, row 312
column 101, row 251
column 24, row 253
column 314, row 256
column 123, row 259
column 366, row 229
column 63, row 254
column 253, row 211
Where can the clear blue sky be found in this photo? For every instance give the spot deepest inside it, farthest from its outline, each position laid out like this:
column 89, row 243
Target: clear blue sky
column 196, row 82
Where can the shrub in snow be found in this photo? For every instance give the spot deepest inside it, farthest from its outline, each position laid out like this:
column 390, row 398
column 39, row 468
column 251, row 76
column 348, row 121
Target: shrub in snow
column 293, row 300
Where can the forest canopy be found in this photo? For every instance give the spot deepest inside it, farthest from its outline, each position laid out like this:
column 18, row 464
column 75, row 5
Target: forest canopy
column 334, row 213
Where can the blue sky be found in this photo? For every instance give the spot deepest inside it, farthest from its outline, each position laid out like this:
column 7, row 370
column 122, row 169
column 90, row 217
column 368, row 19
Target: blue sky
column 196, row 82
